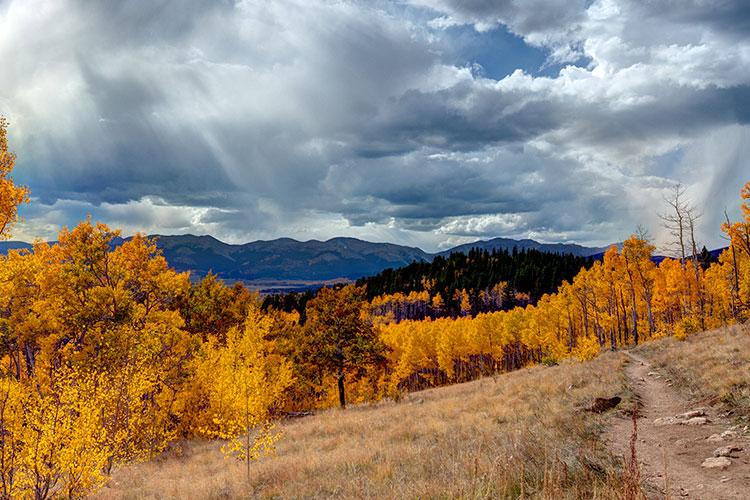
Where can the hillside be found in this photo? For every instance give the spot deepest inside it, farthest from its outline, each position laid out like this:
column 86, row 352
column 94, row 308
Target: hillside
column 285, row 259
column 512, row 435
column 509, row 244
column 498, row 437
column 530, row 272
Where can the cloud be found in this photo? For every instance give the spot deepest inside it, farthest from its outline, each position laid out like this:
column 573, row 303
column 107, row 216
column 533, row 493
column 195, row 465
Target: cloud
column 249, row 119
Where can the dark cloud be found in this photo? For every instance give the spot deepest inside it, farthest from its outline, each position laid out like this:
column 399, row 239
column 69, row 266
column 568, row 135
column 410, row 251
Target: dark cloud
column 464, row 117
column 312, row 118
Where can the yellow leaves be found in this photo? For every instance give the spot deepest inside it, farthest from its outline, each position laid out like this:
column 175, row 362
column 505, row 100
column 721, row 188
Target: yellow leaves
column 52, row 440
column 437, row 302
column 599, row 307
column 587, row 348
column 462, row 297
column 685, row 327
column 256, row 442
column 238, row 385
column 10, row 195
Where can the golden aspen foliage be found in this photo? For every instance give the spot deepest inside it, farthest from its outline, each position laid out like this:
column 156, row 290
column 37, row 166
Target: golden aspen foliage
column 52, row 437
column 622, row 300
column 10, row 195
column 437, row 302
column 13, row 398
column 238, row 386
column 587, row 348
column 242, row 374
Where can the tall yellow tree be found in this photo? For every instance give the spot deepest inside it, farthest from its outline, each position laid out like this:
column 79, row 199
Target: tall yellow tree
column 739, row 234
column 239, row 385
column 10, row 195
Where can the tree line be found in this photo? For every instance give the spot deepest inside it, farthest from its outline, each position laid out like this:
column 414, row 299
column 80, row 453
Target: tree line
column 472, row 276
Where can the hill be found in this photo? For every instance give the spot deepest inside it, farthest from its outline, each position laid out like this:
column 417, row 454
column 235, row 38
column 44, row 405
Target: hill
column 492, row 438
column 509, row 244
column 286, row 259
column 520, row 434
column 477, row 273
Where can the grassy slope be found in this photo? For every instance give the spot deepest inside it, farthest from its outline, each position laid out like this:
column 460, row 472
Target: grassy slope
column 518, row 433
column 490, row 438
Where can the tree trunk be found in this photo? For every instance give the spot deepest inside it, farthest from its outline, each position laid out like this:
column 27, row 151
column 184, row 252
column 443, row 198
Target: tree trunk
column 634, row 314
column 247, row 437
column 696, row 270
column 342, row 394
column 30, row 358
column 736, row 283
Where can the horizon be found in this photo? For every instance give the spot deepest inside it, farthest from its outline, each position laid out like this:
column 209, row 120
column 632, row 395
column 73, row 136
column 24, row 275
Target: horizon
column 425, row 123
column 657, row 253
column 316, row 240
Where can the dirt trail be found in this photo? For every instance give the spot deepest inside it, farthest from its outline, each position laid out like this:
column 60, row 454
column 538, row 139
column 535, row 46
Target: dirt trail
column 671, row 454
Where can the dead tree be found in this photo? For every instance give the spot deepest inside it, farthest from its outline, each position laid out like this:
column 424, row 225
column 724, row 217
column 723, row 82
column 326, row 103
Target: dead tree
column 675, row 221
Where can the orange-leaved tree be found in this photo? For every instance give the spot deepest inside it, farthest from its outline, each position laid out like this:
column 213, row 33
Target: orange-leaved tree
column 10, row 195
column 340, row 338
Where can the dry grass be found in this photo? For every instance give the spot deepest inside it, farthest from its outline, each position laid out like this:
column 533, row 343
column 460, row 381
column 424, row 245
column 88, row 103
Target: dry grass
column 710, row 367
column 512, row 436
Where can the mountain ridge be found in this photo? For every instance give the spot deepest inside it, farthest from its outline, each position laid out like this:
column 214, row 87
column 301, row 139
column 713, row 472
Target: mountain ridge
column 312, row 260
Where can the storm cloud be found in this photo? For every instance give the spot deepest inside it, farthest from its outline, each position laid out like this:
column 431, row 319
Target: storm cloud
column 313, row 119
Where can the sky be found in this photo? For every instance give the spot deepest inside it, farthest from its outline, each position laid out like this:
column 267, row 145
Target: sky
column 421, row 122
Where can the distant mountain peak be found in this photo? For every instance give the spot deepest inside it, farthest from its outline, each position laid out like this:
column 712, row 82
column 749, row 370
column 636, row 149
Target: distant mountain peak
column 501, row 243
column 313, row 260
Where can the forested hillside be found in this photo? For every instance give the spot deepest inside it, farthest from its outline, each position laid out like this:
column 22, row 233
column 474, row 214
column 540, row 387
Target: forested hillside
column 458, row 284
column 484, row 281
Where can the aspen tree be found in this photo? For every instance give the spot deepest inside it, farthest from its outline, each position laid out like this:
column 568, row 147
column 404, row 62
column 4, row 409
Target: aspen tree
column 11, row 195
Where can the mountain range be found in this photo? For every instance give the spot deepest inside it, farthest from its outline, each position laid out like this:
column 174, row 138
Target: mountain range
column 287, row 260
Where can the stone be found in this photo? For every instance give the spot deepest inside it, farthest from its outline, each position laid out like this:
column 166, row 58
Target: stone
column 700, row 412
column 696, row 421
column 714, row 438
column 665, row 421
column 716, row 463
column 600, row 405
column 730, row 434
column 727, row 451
